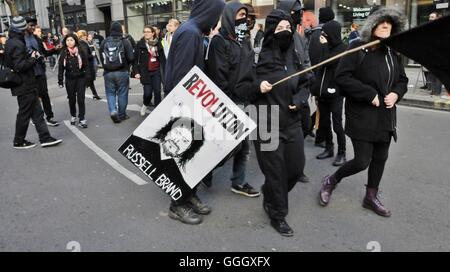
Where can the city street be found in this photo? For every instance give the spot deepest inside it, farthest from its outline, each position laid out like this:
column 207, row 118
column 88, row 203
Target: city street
column 83, row 195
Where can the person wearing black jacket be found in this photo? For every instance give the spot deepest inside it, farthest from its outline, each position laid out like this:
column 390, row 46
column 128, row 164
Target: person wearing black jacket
column 186, row 51
column 373, row 81
column 34, row 43
column 295, row 9
column 18, row 59
column 149, row 57
column 230, row 54
column 117, row 71
column 279, row 158
column 330, row 102
column 73, row 63
column 90, row 78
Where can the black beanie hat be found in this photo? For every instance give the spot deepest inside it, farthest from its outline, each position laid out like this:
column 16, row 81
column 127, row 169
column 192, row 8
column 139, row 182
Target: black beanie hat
column 326, row 14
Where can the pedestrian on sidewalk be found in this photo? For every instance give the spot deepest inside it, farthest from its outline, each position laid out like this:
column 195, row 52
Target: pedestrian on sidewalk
column 325, row 89
column 370, row 106
column 149, row 56
column 117, row 55
column 18, row 59
column 90, row 78
column 74, row 65
column 34, row 43
column 433, row 83
column 186, row 51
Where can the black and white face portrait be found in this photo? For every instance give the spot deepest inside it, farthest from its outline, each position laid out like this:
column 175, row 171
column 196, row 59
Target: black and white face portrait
column 177, row 141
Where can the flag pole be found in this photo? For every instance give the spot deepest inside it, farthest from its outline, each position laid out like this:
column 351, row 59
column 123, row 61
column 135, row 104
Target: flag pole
column 328, row 60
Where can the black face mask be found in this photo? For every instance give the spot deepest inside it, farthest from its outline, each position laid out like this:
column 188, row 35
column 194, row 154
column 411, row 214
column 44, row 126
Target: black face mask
column 240, row 29
column 284, row 39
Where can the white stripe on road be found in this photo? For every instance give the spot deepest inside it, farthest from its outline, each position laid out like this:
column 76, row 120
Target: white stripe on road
column 104, row 156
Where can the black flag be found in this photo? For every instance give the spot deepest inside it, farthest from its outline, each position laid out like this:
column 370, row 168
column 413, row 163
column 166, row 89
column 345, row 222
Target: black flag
column 428, row 45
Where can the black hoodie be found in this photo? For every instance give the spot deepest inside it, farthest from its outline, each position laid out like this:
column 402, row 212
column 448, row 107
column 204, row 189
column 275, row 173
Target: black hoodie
column 186, row 49
column 117, row 34
column 227, row 58
column 275, row 65
column 325, row 86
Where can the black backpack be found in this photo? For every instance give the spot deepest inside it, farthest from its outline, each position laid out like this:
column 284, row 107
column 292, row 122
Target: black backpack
column 114, row 54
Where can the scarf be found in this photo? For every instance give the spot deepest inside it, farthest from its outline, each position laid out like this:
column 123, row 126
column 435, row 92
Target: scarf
column 152, row 48
column 74, row 53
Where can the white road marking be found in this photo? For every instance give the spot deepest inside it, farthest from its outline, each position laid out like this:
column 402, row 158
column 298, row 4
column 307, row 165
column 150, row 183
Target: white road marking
column 104, row 156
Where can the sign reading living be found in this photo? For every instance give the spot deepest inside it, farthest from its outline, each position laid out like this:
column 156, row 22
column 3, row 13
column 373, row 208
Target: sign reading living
column 193, row 129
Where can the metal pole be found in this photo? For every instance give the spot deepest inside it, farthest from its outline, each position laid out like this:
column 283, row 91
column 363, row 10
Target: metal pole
column 61, row 15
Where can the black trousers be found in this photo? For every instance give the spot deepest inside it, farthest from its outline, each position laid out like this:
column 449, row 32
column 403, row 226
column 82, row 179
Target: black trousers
column 90, row 84
column 76, row 90
column 332, row 109
column 30, row 108
column 43, row 94
column 305, row 113
column 282, row 168
column 367, row 154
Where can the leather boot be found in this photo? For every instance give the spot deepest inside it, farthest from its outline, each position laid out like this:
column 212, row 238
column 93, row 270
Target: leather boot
column 329, row 183
column 328, row 153
column 372, row 202
column 303, row 179
column 282, row 227
column 185, row 214
column 198, row 206
column 340, row 159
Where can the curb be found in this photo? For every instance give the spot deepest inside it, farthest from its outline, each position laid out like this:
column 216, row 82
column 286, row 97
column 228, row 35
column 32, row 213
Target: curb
column 435, row 104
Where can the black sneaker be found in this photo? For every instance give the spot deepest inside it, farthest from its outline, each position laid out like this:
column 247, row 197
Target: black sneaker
column 115, row 118
column 51, row 142
column 52, row 123
column 97, row 98
column 246, row 190
column 24, row 145
column 123, row 118
column 185, row 214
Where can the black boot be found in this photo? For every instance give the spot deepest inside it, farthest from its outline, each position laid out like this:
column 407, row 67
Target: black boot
column 198, row 206
column 340, row 159
column 303, row 179
column 320, row 144
column 282, row 227
column 185, row 214
column 328, row 153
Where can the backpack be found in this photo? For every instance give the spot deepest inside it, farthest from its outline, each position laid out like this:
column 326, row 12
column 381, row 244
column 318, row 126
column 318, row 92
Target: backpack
column 114, row 54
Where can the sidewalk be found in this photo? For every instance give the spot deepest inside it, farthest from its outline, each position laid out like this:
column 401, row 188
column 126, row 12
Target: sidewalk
column 416, row 97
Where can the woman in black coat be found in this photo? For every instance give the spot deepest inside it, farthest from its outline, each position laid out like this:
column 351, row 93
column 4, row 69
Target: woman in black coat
column 90, row 78
column 149, row 57
column 73, row 63
column 373, row 81
column 281, row 157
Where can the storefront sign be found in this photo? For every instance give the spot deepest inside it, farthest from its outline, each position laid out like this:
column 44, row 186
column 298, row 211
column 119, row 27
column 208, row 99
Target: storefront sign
column 361, row 13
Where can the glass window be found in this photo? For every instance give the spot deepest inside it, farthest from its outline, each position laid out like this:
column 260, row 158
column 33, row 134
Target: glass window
column 24, row 6
column 135, row 19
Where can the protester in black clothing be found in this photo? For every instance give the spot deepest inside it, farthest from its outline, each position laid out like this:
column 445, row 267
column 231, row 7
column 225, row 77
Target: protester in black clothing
column 279, row 158
column 330, row 101
column 229, row 55
column 90, row 78
column 295, row 9
column 23, row 62
column 259, row 36
column 186, row 51
column 149, row 56
column 34, row 43
column 373, row 81
column 73, row 63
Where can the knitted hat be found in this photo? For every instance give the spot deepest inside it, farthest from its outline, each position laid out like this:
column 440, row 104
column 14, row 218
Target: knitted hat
column 326, row 14
column 18, row 24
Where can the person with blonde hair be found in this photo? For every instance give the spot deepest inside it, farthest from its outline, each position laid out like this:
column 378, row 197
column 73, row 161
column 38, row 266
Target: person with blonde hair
column 354, row 34
column 90, row 77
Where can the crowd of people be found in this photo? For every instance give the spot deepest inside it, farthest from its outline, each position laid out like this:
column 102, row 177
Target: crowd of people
column 244, row 69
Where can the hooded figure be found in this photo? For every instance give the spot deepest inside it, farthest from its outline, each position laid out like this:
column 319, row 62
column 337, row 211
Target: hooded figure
column 187, row 43
column 186, row 51
column 327, row 93
column 373, row 81
column 316, row 50
column 281, row 159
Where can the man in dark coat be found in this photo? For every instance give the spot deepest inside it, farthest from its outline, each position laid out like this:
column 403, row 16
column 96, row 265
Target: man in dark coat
column 34, row 43
column 230, row 54
column 18, row 59
column 330, row 102
column 186, row 51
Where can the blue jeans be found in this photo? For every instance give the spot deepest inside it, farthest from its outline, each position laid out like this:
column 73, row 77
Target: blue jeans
column 240, row 163
column 153, row 88
column 116, row 89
